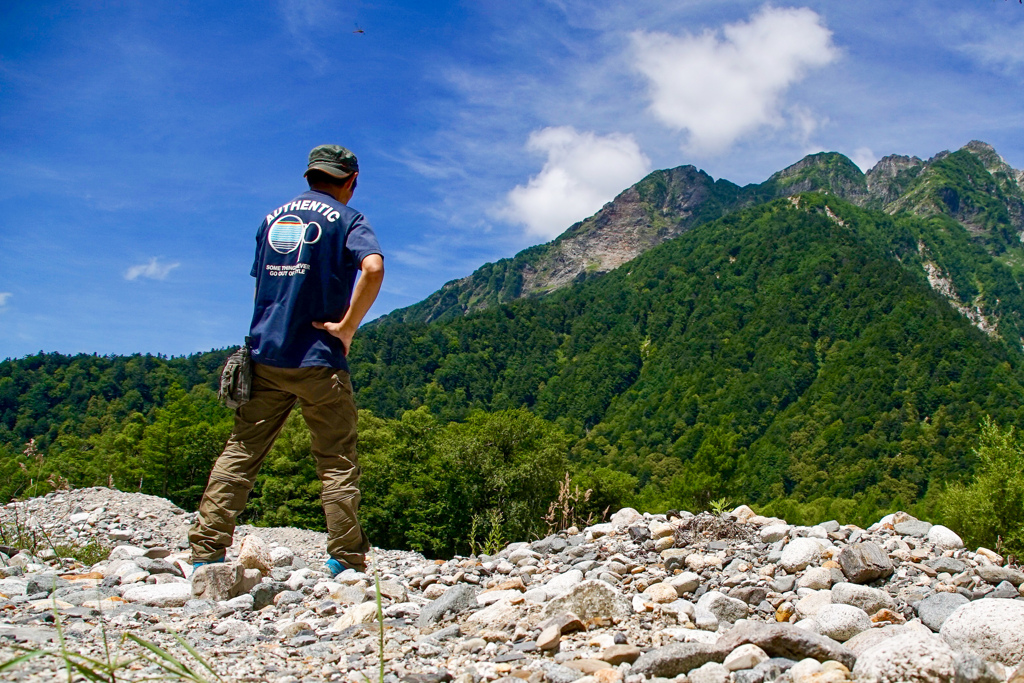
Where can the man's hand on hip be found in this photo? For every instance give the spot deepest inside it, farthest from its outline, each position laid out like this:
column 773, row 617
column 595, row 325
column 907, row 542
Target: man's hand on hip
column 339, row 330
column 363, row 296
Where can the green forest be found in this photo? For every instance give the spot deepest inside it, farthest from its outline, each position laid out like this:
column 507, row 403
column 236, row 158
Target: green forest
column 792, row 355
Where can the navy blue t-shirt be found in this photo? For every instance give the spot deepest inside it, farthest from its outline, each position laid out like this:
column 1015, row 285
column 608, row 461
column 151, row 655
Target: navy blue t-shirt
column 307, row 255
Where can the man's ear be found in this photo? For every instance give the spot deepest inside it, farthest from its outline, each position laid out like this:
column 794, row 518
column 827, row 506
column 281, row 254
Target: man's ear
column 350, row 182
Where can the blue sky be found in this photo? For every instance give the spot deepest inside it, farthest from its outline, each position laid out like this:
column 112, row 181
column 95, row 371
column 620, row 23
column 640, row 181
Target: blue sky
column 142, row 143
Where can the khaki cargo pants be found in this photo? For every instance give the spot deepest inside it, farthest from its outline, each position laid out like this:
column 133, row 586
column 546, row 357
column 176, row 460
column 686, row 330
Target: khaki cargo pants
column 325, row 395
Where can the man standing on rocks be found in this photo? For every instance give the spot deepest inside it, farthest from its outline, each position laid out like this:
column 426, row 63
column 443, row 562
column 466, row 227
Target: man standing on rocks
column 308, row 307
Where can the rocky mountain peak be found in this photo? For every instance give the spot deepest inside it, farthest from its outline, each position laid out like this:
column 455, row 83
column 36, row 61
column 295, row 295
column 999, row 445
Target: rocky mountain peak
column 888, row 179
column 993, row 162
column 830, row 172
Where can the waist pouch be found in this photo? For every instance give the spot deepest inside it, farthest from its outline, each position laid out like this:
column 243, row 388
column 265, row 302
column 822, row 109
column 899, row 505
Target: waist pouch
column 236, row 378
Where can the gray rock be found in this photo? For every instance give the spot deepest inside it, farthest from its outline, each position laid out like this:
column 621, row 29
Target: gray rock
column 752, row 595
column 704, row 620
column 14, row 586
column 243, row 603
column 287, row 597
column 441, row 634
column 812, row 603
column 454, row 600
column 626, row 517
column 44, row 583
column 936, row 608
column 218, row 582
column 163, row 595
column 687, row 582
column 866, row 598
column 996, row 575
column 799, row 553
column 563, row 582
column 906, row 658
column 945, row 538
column 194, row 606
column 550, row 545
column 784, row 584
column 157, row 566
column 712, row 672
column 864, row 562
column 126, row 552
column 677, row 658
column 971, row 668
column 774, row 532
column 674, row 558
column 946, row 564
column 24, row 634
column 842, row 622
column 915, row 527
column 77, row 596
column 350, row 595
column 556, row 673
column 723, row 607
column 590, row 600
column 862, row 642
column 263, row 593
column 993, row 629
column 785, row 640
column 1005, row 591
column 773, row 668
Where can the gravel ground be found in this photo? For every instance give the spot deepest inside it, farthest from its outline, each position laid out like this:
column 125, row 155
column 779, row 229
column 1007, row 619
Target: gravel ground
column 642, row 598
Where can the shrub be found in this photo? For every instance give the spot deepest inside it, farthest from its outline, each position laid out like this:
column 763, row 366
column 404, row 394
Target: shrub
column 989, row 511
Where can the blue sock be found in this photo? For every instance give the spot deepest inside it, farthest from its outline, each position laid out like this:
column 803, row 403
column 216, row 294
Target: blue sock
column 197, row 565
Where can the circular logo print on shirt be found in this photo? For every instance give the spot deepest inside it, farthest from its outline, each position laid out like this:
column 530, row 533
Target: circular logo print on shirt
column 286, row 234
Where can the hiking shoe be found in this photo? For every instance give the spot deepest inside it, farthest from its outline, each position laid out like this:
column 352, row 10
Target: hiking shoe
column 336, row 567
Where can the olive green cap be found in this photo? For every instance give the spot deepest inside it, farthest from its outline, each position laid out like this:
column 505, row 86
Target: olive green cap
column 333, row 160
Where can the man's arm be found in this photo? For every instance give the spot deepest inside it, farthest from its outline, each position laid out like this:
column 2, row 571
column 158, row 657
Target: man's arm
column 363, row 296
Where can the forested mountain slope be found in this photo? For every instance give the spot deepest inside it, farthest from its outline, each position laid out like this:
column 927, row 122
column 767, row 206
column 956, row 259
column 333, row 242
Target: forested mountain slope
column 42, row 394
column 795, row 349
column 973, row 185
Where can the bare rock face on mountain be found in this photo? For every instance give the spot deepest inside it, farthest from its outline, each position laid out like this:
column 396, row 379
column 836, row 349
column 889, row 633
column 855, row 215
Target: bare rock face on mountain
column 890, row 177
column 661, row 206
column 657, row 209
column 826, row 171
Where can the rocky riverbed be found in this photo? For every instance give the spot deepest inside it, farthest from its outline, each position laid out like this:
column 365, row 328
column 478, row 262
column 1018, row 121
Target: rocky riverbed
column 642, row 598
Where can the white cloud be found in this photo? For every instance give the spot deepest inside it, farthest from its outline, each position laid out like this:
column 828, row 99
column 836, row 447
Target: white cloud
column 992, row 44
column 583, row 171
column 308, row 22
column 864, row 158
column 154, row 270
column 719, row 86
column 4, row 298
